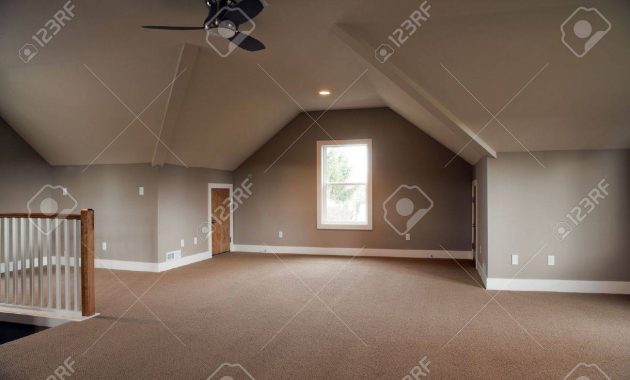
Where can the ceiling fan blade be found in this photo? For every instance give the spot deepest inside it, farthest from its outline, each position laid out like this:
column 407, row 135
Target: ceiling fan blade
column 162, row 27
column 246, row 42
column 244, row 11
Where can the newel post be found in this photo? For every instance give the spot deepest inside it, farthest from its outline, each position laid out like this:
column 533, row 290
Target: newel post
column 88, row 305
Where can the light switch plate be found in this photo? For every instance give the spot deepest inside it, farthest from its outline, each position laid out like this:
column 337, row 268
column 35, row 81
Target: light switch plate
column 104, row 246
column 551, row 260
column 280, row 234
column 514, row 259
column 141, row 190
column 182, row 243
column 407, row 237
column 195, row 240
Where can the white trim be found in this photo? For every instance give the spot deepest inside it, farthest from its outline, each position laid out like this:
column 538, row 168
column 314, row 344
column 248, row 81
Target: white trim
column 220, row 186
column 564, row 286
column 136, row 266
column 320, row 195
column 139, row 266
column 378, row 252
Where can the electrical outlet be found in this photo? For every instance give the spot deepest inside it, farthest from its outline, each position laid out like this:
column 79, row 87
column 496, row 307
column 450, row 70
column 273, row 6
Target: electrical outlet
column 407, row 237
column 280, row 234
column 182, row 243
column 514, row 259
column 65, row 191
column 141, row 190
column 551, row 260
column 195, row 240
column 104, row 246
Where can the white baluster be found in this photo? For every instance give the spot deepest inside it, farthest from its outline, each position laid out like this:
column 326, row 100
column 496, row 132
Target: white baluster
column 57, row 265
column 75, row 249
column 49, row 263
column 66, row 264
column 31, row 250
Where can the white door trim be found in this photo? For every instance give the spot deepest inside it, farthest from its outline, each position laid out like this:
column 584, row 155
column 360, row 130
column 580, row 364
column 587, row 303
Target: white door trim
column 220, row 186
column 475, row 220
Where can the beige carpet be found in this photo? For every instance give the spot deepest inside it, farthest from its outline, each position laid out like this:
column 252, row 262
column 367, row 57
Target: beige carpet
column 371, row 318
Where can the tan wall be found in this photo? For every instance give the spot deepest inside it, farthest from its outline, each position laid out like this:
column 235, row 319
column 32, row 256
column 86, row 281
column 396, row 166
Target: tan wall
column 527, row 201
column 284, row 198
column 23, row 172
column 123, row 218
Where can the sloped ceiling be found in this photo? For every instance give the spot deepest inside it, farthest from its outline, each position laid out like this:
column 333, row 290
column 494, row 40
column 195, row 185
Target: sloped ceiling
column 67, row 102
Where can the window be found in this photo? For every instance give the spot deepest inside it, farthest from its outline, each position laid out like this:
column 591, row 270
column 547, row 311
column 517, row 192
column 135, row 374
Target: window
column 344, row 184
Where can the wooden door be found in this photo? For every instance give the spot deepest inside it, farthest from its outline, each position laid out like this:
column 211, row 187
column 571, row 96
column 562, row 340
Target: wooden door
column 220, row 221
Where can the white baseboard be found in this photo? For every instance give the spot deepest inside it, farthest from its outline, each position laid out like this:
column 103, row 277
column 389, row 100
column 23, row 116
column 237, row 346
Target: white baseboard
column 378, row 252
column 139, row 266
column 564, row 286
column 186, row 260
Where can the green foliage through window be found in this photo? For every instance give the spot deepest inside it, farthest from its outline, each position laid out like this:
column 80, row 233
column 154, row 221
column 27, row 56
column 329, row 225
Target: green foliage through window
column 338, row 172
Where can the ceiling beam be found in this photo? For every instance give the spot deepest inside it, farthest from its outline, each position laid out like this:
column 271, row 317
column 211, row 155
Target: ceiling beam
column 415, row 103
column 177, row 93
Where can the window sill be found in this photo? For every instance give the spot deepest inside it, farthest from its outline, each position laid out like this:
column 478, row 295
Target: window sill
column 360, row 227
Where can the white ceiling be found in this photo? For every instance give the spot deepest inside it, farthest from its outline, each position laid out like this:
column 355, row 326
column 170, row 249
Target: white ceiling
column 231, row 106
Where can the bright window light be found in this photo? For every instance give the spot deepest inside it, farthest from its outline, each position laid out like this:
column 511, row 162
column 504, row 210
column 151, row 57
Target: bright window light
column 344, row 197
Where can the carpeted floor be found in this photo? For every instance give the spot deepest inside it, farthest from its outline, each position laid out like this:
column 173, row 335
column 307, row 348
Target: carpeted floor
column 310, row 317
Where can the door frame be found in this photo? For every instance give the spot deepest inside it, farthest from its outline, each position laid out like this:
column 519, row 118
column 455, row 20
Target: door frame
column 475, row 221
column 220, row 186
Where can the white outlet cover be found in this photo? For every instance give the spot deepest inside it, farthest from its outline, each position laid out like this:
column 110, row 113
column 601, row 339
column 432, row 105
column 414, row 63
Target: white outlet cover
column 551, row 260
column 280, row 234
column 182, row 243
column 195, row 241
column 141, row 190
column 65, row 191
column 407, row 237
column 104, row 246
column 514, row 259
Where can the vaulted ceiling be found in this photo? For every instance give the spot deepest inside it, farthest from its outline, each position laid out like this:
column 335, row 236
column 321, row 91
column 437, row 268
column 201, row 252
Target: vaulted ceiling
column 493, row 72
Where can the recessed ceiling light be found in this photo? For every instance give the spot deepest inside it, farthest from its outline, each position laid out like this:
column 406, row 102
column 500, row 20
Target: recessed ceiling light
column 324, row 92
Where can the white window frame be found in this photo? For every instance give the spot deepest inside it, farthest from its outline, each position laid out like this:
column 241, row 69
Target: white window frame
column 321, row 202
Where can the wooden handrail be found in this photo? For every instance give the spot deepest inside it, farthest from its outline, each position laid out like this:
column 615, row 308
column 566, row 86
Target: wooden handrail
column 88, row 305
column 41, row 216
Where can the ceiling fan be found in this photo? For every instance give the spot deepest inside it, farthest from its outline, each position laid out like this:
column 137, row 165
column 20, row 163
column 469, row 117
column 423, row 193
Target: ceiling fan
column 225, row 16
